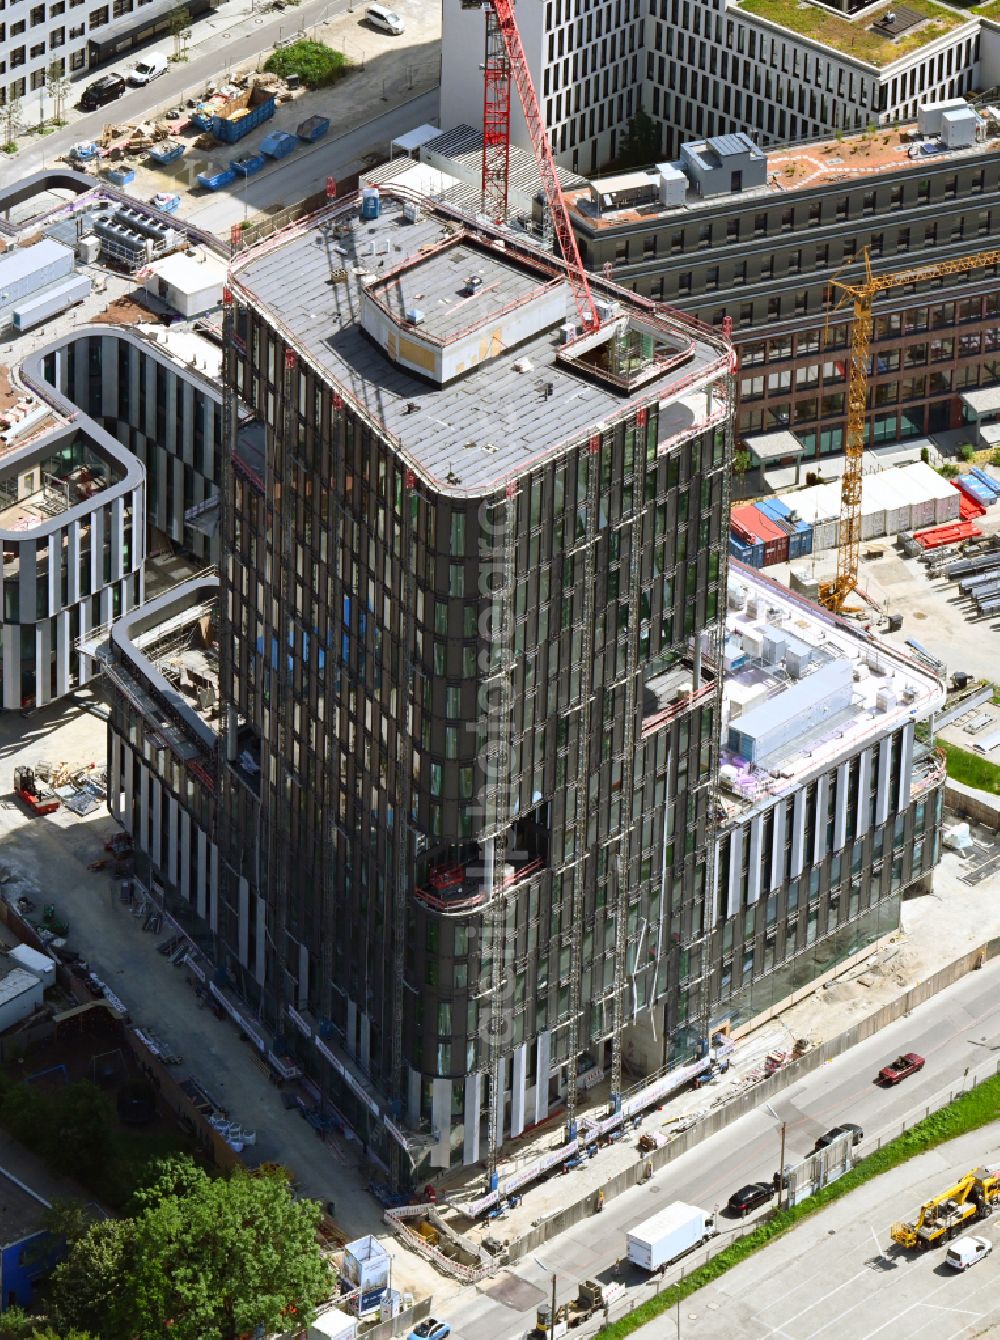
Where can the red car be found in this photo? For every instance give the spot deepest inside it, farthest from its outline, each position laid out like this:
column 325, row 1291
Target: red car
column 903, row 1066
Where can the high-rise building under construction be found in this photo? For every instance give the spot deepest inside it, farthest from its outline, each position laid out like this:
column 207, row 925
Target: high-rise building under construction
column 464, row 584
column 510, row 787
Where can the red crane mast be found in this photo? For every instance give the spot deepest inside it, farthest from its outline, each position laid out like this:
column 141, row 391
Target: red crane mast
column 504, row 58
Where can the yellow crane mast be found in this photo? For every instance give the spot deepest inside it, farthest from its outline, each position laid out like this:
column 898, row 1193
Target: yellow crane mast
column 835, row 594
column 970, row 1198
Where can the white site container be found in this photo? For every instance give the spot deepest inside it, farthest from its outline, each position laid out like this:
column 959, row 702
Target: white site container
column 667, row 1235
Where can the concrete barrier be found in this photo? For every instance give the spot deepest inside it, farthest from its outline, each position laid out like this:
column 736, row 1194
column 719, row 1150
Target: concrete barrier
column 724, row 1115
column 978, row 806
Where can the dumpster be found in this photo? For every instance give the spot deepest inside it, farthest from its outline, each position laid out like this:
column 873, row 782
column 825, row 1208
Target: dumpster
column 215, row 181
column 167, row 153
column 279, row 144
column 248, row 164
column 313, row 128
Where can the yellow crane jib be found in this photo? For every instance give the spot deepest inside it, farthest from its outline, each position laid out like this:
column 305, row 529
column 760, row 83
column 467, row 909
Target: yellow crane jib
column 836, row 593
column 970, row 1198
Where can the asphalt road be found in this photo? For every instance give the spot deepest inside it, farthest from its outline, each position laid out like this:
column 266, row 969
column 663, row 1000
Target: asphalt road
column 837, row 1277
column 211, row 55
column 955, row 1031
column 305, row 172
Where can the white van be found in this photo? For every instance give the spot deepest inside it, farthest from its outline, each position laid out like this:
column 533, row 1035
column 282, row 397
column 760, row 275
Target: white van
column 967, row 1251
column 384, row 20
column 147, row 69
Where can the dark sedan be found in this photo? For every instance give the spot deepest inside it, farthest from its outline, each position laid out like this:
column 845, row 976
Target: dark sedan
column 749, row 1197
column 848, row 1128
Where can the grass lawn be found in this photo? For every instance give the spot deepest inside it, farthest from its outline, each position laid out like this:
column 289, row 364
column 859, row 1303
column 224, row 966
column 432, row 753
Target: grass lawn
column 991, row 10
column 856, row 39
column 976, row 1108
column 970, row 769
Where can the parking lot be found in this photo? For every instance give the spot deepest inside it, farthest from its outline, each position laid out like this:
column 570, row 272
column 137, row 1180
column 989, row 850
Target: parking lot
column 837, row 1275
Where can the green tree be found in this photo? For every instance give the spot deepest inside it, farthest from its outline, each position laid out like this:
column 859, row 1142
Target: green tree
column 11, row 121
column 742, row 461
column 231, row 1255
column 641, row 144
column 16, row 1324
column 315, row 63
column 57, row 86
column 179, row 27
column 210, row 1258
column 174, row 1176
column 26, row 1113
column 80, row 1133
column 86, row 1289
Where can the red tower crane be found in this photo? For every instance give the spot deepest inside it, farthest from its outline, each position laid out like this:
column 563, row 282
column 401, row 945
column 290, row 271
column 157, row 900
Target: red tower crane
column 504, row 58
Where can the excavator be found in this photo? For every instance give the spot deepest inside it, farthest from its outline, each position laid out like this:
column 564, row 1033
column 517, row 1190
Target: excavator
column 972, row 1197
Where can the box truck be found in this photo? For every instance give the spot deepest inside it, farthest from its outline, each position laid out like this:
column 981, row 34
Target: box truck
column 667, row 1235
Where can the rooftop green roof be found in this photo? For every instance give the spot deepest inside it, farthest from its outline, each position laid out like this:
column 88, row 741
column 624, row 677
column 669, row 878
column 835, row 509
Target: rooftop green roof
column 853, row 37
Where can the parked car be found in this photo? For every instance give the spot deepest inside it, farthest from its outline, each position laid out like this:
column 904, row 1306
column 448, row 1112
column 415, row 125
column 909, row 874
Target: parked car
column 749, row 1197
column 147, row 69
column 384, row 20
column 848, row 1128
column 896, row 1071
column 102, row 91
column 965, row 1252
column 430, row 1329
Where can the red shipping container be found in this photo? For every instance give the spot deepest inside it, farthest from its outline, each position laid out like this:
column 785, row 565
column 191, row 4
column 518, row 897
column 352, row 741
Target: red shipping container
column 775, row 539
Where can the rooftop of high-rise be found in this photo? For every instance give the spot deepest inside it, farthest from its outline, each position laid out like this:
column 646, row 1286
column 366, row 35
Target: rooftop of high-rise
column 463, row 346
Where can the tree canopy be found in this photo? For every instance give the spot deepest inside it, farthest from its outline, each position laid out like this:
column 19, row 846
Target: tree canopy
column 208, row 1258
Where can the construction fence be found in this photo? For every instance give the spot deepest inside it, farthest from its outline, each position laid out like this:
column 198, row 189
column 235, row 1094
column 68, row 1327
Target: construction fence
column 636, row 1295
column 724, row 1115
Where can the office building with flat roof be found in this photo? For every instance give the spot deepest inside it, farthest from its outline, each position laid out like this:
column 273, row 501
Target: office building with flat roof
column 762, row 250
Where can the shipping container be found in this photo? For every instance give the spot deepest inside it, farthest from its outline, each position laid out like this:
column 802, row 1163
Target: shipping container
column 667, row 1235
column 40, row 306
column 24, row 270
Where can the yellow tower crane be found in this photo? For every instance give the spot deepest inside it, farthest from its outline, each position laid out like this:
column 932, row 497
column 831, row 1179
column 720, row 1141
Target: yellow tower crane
column 835, row 594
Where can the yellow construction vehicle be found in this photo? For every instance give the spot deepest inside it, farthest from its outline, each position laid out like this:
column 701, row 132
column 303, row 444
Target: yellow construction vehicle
column 972, row 1197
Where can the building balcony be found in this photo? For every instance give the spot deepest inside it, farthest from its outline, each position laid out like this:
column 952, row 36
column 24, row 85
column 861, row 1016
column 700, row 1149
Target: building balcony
column 667, row 695
column 929, row 770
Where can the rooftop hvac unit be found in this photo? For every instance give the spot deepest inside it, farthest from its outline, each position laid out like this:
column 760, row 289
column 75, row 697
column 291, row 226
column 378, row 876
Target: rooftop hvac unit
column 774, row 648
column 728, row 776
column 753, row 644
column 411, row 211
column 753, row 608
column 88, row 248
column 415, row 316
column 909, row 694
column 885, row 700
column 606, row 309
column 737, row 597
column 568, row 332
column 796, row 662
